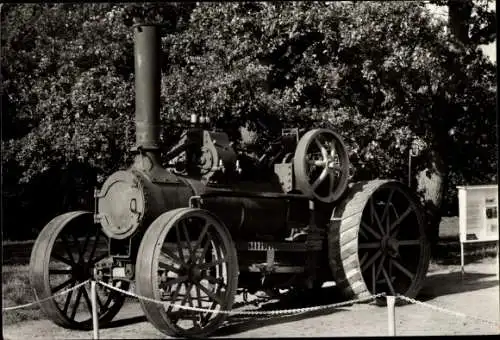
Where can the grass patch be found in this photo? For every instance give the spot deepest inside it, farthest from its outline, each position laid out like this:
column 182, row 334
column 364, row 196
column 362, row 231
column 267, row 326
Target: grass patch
column 16, row 290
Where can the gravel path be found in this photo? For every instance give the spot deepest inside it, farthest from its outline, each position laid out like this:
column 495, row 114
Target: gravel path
column 477, row 296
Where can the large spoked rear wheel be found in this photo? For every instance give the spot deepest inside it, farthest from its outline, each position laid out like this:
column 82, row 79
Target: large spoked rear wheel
column 187, row 258
column 378, row 242
column 63, row 256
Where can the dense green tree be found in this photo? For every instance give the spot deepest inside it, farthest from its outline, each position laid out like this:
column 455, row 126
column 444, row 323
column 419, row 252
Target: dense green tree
column 471, row 21
column 382, row 74
column 68, row 100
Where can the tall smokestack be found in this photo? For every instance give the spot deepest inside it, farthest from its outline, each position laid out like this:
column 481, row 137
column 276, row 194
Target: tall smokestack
column 147, row 87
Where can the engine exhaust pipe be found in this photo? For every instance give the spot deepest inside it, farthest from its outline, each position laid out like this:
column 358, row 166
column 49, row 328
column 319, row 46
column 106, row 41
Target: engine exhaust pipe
column 147, row 88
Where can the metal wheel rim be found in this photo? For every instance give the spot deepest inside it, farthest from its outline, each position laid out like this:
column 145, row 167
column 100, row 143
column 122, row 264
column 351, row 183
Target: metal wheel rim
column 393, row 250
column 46, row 272
column 332, row 175
column 187, row 286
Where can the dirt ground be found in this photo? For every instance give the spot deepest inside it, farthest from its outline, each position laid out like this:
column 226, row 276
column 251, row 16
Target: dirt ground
column 477, row 296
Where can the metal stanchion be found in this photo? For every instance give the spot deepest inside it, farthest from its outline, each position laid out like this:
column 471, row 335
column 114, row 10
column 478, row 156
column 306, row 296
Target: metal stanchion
column 391, row 311
column 95, row 316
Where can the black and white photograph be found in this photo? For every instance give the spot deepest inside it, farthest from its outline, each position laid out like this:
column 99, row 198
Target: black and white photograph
column 257, row 169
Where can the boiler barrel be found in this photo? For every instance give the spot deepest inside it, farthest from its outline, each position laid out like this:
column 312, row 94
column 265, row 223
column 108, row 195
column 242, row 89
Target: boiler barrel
column 258, row 218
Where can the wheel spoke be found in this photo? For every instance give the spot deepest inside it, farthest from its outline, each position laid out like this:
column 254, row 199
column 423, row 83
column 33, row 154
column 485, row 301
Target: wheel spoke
column 205, row 249
column 210, row 294
column 68, row 299
column 178, row 279
column 371, row 260
column 363, row 259
column 402, row 269
column 202, row 234
column 60, row 271
column 187, row 295
column 361, row 231
column 77, row 303
column 389, row 283
column 316, row 162
column 211, row 264
column 214, row 280
column 369, row 245
column 87, row 299
column 373, row 232
column 94, row 247
column 409, row 242
column 380, row 267
column 401, row 218
column 111, row 295
column 375, row 215
column 198, row 293
column 170, row 254
column 320, row 179
column 332, row 181
column 68, row 250
column 206, row 318
column 374, row 281
column 168, row 267
column 62, row 285
column 173, row 298
column 63, row 259
column 321, row 147
column 84, row 248
column 179, row 247
column 188, row 239
column 98, row 258
column 99, row 302
column 333, row 150
column 76, row 244
column 389, row 203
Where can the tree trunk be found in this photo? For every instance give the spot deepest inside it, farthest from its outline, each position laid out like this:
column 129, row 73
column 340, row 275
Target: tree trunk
column 431, row 188
column 459, row 14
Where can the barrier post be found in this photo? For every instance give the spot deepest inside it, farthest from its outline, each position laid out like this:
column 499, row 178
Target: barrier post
column 462, row 259
column 498, row 262
column 95, row 317
column 391, row 311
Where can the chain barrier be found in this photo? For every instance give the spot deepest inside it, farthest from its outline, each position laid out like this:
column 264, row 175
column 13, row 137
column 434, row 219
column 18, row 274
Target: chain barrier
column 447, row 311
column 5, row 309
column 256, row 313
column 246, row 312
column 299, row 310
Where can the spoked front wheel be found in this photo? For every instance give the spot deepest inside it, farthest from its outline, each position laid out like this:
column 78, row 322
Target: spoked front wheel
column 187, row 259
column 64, row 256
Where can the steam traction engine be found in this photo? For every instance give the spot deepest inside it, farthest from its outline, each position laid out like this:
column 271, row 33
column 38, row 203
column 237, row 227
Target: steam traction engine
column 216, row 222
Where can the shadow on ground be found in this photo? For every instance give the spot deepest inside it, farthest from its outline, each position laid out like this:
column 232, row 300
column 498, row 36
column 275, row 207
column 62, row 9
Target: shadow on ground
column 322, row 297
column 452, row 283
column 125, row 322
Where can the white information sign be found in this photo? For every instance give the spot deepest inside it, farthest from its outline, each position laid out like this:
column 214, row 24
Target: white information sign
column 478, row 215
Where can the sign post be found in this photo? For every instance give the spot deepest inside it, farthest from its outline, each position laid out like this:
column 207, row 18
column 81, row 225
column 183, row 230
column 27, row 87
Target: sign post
column 478, row 216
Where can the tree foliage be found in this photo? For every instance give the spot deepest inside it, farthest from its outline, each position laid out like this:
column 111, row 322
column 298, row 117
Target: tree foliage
column 471, row 21
column 380, row 73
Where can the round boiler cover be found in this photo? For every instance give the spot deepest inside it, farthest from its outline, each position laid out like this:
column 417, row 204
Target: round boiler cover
column 121, row 205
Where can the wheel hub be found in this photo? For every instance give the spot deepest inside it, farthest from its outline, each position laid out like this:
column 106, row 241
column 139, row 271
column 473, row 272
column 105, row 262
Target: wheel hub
column 194, row 273
column 390, row 246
